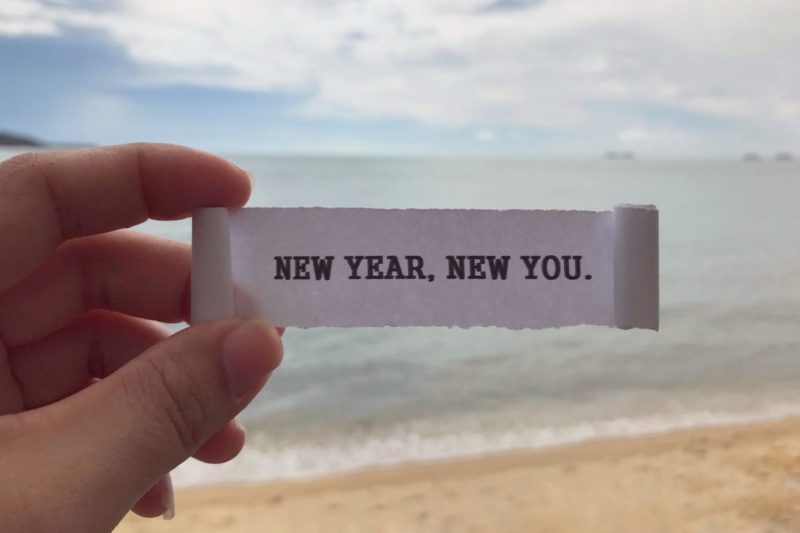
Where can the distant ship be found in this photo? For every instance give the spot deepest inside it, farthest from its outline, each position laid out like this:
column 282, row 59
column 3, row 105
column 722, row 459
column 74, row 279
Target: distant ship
column 784, row 156
column 751, row 157
column 613, row 155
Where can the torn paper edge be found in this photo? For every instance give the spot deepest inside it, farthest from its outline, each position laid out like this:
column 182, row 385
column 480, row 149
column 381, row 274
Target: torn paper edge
column 635, row 282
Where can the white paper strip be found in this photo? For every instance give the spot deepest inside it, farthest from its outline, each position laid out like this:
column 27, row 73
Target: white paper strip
column 309, row 267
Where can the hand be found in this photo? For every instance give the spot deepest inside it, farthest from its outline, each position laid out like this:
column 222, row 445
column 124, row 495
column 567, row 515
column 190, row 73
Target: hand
column 97, row 402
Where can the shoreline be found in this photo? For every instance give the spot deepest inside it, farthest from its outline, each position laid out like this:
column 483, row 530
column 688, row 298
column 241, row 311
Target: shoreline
column 743, row 477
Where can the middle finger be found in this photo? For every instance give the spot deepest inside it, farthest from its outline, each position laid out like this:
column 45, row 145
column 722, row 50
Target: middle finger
column 124, row 271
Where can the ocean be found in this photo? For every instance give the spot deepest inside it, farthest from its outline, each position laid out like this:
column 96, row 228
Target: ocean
column 728, row 350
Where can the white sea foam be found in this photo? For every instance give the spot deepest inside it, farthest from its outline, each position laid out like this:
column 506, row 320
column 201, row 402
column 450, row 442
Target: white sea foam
column 266, row 461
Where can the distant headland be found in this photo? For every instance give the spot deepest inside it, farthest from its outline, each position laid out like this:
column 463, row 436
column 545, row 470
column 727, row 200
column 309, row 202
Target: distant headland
column 15, row 140
column 11, row 139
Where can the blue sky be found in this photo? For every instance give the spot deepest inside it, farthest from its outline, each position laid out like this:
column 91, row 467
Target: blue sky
column 505, row 77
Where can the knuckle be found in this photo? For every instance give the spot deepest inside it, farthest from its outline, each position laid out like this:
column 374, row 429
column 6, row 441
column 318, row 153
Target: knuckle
column 17, row 169
column 20, row 162
column 164, row 387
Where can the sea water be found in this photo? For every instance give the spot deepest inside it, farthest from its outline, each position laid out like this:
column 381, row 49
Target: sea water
column 728, row 350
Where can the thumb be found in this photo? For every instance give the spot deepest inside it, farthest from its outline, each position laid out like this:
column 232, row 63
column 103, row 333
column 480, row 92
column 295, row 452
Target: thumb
column 136, row 425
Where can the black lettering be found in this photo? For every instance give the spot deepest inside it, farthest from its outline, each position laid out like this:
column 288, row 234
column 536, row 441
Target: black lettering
column 476, row 263
column 568, row 272
column 547, row 271
column 498, row 267
column 455, row 267
column 322, row 266
column 300, row 265
column 354, row 261
column 414, row 263
column 374, row 267
column 283, row 267
column 530, row 263
column 394, row 271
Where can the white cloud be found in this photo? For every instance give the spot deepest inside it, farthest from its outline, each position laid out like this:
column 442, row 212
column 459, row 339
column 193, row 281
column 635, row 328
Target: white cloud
column 554, row 64
column 25, row 17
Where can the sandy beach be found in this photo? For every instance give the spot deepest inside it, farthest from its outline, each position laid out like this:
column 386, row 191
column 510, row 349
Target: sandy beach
column 742, row 478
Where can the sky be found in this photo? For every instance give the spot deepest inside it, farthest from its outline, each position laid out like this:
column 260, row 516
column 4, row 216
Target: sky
column 561, row 78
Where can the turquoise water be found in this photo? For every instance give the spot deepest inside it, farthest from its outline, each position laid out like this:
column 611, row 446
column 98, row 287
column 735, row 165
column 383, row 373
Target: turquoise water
column 728, row 350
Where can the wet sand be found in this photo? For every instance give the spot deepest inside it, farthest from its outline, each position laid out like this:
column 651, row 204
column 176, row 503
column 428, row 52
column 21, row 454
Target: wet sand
column 742, row 478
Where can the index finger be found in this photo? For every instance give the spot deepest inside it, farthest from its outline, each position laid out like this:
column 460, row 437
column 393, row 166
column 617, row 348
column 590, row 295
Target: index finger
column 46, row 198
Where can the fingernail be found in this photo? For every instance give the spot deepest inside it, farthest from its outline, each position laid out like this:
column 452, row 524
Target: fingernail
column 239, row 425
column 247, row 353
column 168, row 499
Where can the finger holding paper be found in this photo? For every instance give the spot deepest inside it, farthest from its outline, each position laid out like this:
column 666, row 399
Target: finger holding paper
column 75, row 289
